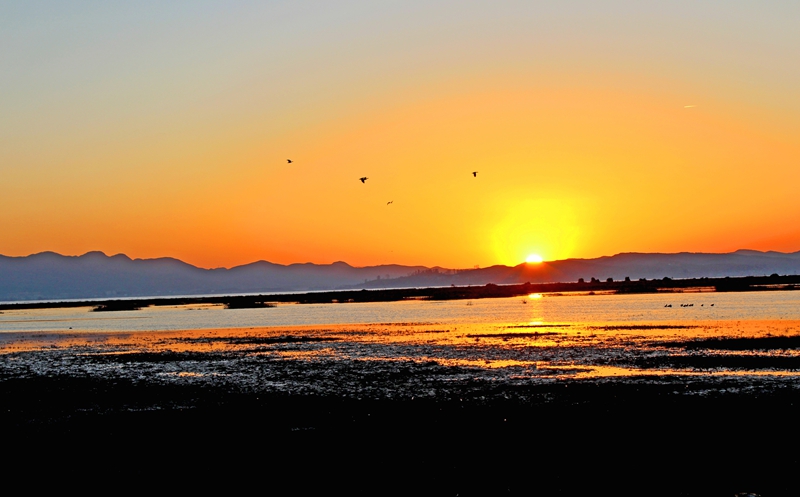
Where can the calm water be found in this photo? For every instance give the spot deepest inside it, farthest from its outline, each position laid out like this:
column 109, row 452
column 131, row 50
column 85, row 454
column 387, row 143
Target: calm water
column 533, row 309
column 513, row 341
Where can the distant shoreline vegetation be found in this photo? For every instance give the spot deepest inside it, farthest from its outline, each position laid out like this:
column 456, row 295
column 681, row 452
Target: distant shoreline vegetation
column 490, row 290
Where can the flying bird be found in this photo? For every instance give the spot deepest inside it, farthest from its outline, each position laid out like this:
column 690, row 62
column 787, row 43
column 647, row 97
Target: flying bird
column 475, row 174
column 288, row 161
column 364, row 179
column 390, row 202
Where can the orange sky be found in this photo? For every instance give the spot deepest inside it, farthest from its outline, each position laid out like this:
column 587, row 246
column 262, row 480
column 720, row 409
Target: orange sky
column 167, row 135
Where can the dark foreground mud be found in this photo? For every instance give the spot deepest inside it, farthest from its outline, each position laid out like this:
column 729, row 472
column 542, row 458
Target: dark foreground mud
column 628, row 437
column 404, row 410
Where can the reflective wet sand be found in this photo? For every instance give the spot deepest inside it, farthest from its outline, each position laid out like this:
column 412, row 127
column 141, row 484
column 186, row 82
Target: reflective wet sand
column 291, row 359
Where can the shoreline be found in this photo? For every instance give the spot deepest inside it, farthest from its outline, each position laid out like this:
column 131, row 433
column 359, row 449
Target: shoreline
column 643, row 286
column 372, row 409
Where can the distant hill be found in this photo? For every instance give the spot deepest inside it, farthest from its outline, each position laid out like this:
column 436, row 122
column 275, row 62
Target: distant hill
column 620, row 266
column 50, row 276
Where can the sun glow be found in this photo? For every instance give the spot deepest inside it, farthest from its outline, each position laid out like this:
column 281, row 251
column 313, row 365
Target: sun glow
column 550, row 228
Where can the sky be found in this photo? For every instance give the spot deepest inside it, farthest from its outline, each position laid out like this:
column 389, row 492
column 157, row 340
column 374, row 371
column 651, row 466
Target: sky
column 160, row 129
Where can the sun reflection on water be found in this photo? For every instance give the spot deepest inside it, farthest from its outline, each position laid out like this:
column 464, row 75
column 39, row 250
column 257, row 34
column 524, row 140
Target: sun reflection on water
column 528, row 345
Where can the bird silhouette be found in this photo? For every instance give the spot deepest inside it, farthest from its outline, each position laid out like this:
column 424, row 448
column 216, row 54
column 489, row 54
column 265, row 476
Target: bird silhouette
column 475, row 174
column 364, row 179
column 288, row 161
column 390, row 202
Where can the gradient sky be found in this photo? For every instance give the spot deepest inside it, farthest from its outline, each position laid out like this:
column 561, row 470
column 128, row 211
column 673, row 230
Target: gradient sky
column 163, row 128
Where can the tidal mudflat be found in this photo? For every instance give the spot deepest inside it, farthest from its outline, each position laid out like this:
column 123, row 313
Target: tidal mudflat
column 668, row 407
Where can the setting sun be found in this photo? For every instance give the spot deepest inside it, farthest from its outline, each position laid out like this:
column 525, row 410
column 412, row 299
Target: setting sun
column 534, row 259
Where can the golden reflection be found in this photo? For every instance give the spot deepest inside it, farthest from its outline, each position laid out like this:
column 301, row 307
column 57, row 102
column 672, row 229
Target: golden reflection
column 482, row 363
column 534, row 349
column 185, row 374
column 612, row 371
column 535, row 296
column 299, row 354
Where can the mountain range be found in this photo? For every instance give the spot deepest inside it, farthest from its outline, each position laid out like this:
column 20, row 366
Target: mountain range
column 51, row 276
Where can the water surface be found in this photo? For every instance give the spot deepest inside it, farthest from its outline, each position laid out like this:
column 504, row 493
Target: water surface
column 766, row 305
column 338, row 349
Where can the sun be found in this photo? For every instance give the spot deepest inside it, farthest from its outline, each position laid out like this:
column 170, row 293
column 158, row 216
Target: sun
column 534, row 259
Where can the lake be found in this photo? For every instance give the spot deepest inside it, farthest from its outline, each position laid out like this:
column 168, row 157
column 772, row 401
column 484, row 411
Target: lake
column 544, row 309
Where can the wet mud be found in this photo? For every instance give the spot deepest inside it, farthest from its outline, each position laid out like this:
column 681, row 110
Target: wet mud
column 762, row 343
column 717, row 362
column 409, row 409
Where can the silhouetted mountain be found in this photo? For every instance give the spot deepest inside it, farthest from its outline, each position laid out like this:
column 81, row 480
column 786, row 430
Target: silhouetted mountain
column 620, row 266
column 50, row 276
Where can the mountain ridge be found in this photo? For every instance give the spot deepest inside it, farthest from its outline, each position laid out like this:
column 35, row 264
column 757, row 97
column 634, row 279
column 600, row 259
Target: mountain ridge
column 52, row 276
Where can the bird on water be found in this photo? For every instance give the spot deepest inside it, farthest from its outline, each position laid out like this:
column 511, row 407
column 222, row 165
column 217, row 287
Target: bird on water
column 475, row 174
column 288, row 161
column 364, row 179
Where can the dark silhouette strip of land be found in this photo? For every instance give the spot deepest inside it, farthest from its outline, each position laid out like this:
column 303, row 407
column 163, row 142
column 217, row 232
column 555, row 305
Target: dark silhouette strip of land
column 643, row 286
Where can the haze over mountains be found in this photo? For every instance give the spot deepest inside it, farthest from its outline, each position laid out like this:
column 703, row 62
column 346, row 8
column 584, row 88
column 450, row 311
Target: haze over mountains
column 50, row 276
